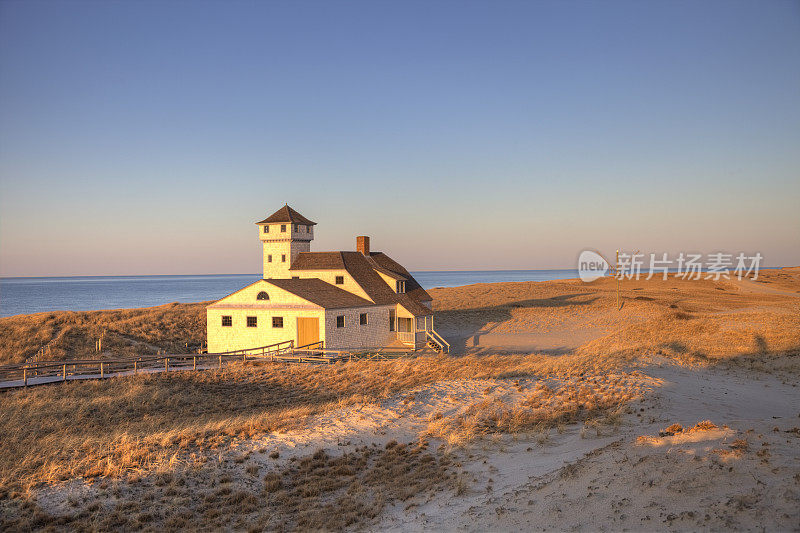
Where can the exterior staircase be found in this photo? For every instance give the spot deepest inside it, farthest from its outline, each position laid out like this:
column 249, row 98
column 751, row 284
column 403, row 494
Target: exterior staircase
column 437, row 343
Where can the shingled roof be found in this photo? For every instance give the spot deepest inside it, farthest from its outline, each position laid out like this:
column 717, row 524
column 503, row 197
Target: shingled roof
column 287, row 214
column 320, row 293
column 363, row 270
column 413, row 288
column 318, row 261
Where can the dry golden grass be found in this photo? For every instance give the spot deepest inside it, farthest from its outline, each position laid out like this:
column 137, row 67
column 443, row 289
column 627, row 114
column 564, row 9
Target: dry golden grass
column 176, row 328
column 159, row 428
column 315, row 492
column 564, row 398
column 121, row 425
column 683, row 319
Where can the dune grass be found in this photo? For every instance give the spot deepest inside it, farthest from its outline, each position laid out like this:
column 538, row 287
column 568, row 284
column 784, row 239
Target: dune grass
column 160, row 431
column 140, row 423
column 176, row 328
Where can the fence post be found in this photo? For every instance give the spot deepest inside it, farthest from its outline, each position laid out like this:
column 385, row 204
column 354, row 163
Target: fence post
column 102, row 371
column 25, row 376
column 166, row 364
column 194, row 363
column 220, row 362
column 136, row 367
column 244, row 357
column 65, row 372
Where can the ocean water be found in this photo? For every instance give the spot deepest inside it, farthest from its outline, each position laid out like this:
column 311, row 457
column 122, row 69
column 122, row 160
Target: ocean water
column 88, row 293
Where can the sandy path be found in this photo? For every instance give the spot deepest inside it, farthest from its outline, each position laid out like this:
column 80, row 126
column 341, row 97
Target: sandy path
column 748, row 285
column 603, row 478
column 609, row 482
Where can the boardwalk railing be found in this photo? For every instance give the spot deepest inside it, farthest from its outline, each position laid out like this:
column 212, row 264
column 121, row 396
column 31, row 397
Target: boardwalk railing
column 50, row 371
column 39, row 373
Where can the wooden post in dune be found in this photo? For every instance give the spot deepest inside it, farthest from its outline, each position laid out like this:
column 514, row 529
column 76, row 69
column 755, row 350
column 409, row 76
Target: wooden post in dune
column 194, row 363
column 65, row 372
column 617, row 269
column 102, row 371
column 220, row 362
column 166, row 364
column 25, row 376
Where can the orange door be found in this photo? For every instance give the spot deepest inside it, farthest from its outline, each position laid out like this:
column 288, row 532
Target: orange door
column 307, row 331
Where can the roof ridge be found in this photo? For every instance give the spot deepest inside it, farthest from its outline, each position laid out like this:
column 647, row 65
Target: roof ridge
column 287, row 214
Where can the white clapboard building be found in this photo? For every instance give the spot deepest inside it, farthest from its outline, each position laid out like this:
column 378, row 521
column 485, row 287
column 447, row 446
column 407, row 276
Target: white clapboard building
column 350, row 300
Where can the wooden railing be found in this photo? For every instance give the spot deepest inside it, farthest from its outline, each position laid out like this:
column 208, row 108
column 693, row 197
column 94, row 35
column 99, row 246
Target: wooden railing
column 261, row 351
column 51, row 371
column 438, row 339
column 319, row 344
column 43, row 372
column 408, row 337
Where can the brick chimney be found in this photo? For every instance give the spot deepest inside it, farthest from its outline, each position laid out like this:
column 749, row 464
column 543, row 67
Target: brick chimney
column 362, row 244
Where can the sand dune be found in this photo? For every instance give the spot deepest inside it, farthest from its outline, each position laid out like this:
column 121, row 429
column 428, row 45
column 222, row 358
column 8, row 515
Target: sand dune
column 600, row 428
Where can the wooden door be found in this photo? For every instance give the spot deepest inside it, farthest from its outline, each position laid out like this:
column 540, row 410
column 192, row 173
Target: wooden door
column 307, row 331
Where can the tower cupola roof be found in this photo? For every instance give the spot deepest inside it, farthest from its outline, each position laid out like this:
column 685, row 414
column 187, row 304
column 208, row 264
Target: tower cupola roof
column 287, row 214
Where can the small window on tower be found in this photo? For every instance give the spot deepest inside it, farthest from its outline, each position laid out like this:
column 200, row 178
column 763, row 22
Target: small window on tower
column 340, row 280
column 283, row 228
column 340, row 321
column 277, row 322
column 362, row 320
column 266, row 229
column 252, row 321
column 283, row 258
column 262, row 296
column 269, row 259
column 227, row 321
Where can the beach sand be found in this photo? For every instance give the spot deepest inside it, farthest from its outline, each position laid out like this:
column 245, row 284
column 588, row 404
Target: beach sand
column 719, row 358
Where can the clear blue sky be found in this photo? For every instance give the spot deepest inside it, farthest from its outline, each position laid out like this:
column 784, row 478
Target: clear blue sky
column 147, row 137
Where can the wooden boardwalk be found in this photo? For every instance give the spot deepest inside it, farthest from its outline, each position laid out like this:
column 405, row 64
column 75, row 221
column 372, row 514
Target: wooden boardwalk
column 46, row 372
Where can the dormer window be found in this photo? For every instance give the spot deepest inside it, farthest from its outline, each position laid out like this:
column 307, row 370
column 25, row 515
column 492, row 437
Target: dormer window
column 340, row 280
column 262, row 296
column 401, row 287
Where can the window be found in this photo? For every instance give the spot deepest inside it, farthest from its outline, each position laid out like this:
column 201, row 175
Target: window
column 262, row 296
column 269, row 258
column 227, row 321
column 266, row 229
column 392, row 318
column 340, row 321
column 340, row 280
column 295, row 277
column 252, row 321
column 401, row 287
column 362, row 320
column 277, row 322
column 283, row 228
column 296, row 228
column 283, row 258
